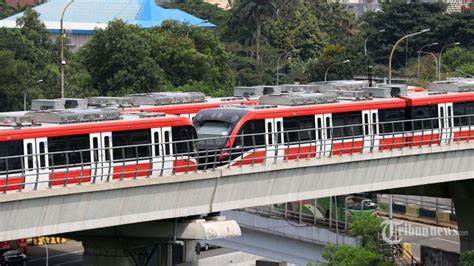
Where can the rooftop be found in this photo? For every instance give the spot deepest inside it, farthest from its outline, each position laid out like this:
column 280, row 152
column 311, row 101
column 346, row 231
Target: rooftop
column 84, row 16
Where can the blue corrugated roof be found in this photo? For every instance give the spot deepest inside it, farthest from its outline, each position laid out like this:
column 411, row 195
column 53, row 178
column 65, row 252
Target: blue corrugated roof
column 84, row 14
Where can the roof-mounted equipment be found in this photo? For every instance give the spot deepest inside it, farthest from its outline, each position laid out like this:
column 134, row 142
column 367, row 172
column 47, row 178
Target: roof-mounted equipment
column 351, row 95
column 298, row 99
column 16, row 119
column 58, row 104
column 387, row 91
column 453, row 85
column 167, row 98
column 71, row 116
column 104, row 101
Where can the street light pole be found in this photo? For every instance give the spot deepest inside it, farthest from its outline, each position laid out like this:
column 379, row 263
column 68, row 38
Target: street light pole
column 419, row 52
column 441, row 54
column 367, row 58
column 191, row 27
column 395, row 47
column 337, row 63
column 63, row 62
column 278, row 65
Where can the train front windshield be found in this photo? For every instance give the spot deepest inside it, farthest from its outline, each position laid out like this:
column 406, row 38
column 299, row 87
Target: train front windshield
column 213, row 129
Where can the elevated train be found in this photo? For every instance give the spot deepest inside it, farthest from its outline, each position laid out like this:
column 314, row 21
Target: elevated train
column 60, row 147
column 291, row 126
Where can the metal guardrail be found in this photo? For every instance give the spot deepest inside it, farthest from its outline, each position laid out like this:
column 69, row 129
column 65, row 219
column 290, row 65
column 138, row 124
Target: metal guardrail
column 96, row 165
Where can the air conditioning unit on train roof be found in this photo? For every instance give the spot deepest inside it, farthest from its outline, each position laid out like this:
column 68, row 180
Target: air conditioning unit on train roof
column 352, row 95
column 256, row 91
column 58, row 104
column 79, row 115
column 298, row 99
column 387, row 91
column 454, row 85
column 105, row 101
column 16, row 119
column 291, row 88
column 167, row 98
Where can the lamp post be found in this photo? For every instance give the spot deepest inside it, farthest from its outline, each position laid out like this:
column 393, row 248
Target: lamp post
column 441, row 54
column 435, row 59
column 26, row 90
column 63, row 62
column 395, row 47
column 419, row 52
column 337, row 63
column 191, row 27
column 367, row 58
column 278, row 64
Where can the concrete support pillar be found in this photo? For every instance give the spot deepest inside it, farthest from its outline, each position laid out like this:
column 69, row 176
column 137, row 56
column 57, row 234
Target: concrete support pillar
column 118, row 252
column 190, row 251
column 465, row 218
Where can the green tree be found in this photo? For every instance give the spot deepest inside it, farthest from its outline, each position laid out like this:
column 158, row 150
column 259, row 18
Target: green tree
column 353, row 256
column 204, row 10
column 367, row 227
column 4, row 9
column 296, row 29
column 255, row 12
column 467, row 258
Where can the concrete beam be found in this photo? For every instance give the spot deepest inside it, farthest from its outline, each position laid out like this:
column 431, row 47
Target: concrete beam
column 193, row 229
column 85, row 207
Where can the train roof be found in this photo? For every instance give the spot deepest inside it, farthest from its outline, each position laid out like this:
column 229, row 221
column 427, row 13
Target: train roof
column 34, row 124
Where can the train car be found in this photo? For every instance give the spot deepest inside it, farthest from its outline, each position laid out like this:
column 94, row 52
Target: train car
column 59, row 147
column 296, row 126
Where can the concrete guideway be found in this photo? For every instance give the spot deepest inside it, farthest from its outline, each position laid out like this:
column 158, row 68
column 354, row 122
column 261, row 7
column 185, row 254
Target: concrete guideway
column 77, row 208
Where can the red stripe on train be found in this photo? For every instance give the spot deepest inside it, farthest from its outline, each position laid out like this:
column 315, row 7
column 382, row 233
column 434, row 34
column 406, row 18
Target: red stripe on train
column 71, row 177
column 422, row 140
column 252, row 158
column 183, row 166
column 463, row 136
column 391, row 143
column 300, row 153
column 128, row 171
column 347, row 147
column 14, row 183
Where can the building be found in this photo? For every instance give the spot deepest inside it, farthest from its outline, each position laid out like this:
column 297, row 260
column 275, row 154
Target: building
column 83, row 17
column 23, row 3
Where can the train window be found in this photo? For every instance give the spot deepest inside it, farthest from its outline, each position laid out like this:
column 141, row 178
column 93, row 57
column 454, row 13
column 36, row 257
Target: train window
column 256, row 127
column 319, row 124
column 470, row 112
column 449, row 115
column 11, row 148
column 186, row 135
column 270, row 133
column 459, row 112
column 306, row 125
column 95, row 147
column 29, row 152
column 107, row 146
column 302, row 126
column 421, row 112
column 73, row 146
column 279, row 129
column 391, row 120
column 291, row 124
column 157, row 145
column 366, row 124
column 124, row 143
column 42, row 154
column 328, row 128
column 350, row 124
column 167, row 143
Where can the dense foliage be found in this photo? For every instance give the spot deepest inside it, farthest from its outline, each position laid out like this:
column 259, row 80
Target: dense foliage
column 254, row 40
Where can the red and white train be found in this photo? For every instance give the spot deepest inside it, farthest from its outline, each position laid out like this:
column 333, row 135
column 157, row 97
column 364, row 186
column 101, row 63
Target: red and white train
column 59, row 147
column 331, row 127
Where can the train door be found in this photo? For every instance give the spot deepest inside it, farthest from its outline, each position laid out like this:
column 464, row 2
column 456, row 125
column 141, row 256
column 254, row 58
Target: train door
column 370, row 129
column 323, row 126
column 36, row 163
column 446, row 121
column 101, row 156
column 167, row 151
column 157, row 151
column 273, row 139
